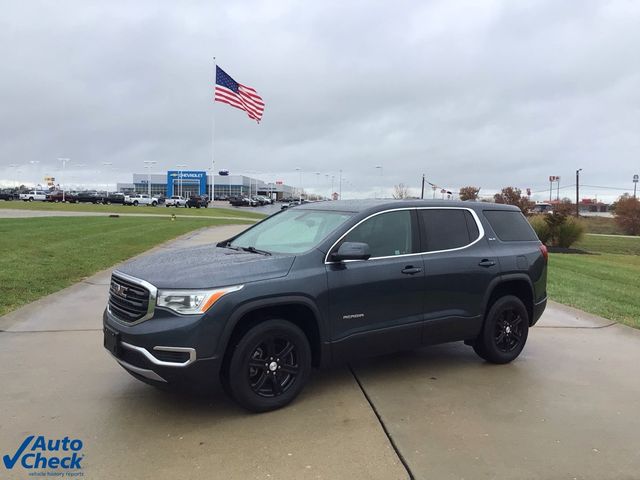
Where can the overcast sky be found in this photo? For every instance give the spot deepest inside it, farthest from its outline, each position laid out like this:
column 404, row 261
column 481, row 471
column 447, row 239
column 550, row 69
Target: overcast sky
column 489, row 93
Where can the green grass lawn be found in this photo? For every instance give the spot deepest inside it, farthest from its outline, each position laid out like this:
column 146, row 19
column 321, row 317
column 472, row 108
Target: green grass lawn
column 161, row 210
column 601, row 225
column 605, row 244
column 39, row 256
column 606, row 283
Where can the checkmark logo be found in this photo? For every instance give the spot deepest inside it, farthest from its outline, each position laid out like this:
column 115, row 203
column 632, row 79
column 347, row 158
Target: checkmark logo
column 10, row 462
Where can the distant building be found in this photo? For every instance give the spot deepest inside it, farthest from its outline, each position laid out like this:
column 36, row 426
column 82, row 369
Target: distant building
column 197, row 182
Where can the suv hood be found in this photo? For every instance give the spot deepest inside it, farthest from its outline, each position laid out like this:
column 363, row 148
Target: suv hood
column 206, row 266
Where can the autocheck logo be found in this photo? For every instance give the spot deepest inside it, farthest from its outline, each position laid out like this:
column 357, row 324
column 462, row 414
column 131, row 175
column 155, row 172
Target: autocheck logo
column 38, row 452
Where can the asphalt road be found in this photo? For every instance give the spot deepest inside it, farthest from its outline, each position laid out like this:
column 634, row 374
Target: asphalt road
column 567, row 408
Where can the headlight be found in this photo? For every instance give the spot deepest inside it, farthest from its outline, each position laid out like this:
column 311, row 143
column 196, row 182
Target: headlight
column 191, row 302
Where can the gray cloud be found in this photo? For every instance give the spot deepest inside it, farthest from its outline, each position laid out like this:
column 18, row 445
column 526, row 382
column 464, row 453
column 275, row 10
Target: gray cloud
column 489, row 94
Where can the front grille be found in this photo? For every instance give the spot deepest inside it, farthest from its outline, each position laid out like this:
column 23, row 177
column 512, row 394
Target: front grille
column 128, row 301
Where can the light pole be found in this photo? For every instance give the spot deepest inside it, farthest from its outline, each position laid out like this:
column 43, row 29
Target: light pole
column 635, row 184
column 35, row 162
column 13, row 180
column 108, row 164
column 577, row 192
column 300, row 191
column 64, row 162
column 380, row 167
column 148, row 164
column 340, row 187
column 180, row 167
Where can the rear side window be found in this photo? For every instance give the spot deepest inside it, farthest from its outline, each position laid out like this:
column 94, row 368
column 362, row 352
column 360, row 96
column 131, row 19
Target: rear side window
column 510, row 226
column 444, row 229
column 387, row 234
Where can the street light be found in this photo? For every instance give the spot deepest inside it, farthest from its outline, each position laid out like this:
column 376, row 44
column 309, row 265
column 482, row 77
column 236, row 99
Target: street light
column 577, row 192
column 35, row 162
column 14, row 180
column 64, row 162
column 300, row 192
column 180, row 184
column 148, row 164
column 109, row 164
column 635, row 184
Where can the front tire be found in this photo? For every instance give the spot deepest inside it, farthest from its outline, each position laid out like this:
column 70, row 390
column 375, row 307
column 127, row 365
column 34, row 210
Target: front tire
column 269, row 366
column 505, row 331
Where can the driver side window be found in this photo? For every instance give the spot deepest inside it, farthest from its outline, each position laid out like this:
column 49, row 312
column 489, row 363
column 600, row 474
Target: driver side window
column 388, row 234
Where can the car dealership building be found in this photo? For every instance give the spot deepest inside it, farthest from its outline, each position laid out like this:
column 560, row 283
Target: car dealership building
column 198, row 182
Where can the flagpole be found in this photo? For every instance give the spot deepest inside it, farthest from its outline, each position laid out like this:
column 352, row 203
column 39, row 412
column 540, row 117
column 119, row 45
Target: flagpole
column 213, row 130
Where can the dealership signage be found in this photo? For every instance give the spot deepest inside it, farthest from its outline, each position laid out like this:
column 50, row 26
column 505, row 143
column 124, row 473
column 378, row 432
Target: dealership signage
column 186, row 179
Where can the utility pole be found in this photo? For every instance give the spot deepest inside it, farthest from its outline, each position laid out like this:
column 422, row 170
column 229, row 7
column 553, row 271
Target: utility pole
column 578, row 192
column 422, row 194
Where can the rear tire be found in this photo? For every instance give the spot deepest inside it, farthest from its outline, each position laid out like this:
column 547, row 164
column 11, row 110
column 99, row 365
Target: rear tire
column 505, row 331
column 269, row 366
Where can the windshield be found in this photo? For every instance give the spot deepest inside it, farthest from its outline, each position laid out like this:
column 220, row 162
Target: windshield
column 292, row 231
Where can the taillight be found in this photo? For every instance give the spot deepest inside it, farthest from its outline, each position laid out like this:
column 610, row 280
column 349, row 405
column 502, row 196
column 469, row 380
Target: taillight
column 545, row 252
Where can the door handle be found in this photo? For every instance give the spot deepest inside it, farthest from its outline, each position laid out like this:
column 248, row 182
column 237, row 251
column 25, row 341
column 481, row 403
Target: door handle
column 411, row 270
column 487, row 263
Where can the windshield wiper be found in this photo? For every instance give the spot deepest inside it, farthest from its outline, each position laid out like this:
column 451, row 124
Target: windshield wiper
column 255, row 250
column 229, row 246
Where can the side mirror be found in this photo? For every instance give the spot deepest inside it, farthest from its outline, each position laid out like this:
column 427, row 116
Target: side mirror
column 351, row 251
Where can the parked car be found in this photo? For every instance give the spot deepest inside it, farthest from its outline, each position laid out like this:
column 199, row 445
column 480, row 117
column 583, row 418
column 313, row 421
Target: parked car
column 242, row 201
column 140, row 199
column 114, row 197
column 358, row 278
column 198, row 201
column 541, row 208
column 176, row 201
column 293, row 204
column 59, row 196
column 8, row 195
column 262, row 200
column 89, row 197
column 34, row 195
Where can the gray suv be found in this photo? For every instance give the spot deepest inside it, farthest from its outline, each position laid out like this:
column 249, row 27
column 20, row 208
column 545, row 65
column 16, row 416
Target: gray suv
column 321, row 284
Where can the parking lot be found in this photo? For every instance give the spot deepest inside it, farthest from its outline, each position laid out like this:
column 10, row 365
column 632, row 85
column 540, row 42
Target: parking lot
column 567, row 408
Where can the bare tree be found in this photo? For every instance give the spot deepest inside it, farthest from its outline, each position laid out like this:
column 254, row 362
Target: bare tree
column 400, row 191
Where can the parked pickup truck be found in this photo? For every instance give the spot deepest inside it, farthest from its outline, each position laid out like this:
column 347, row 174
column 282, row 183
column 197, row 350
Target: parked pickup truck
column 143, row 199
column 39, row 195
column 176, row 201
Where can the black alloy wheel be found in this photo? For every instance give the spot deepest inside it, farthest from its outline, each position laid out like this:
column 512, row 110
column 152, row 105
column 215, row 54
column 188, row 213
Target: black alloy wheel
column 273, row 367
column 269, row 366
column 508, row 330
column 505, row 331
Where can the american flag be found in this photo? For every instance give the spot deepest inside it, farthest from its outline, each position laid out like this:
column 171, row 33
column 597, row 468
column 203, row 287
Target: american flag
column 237, row 95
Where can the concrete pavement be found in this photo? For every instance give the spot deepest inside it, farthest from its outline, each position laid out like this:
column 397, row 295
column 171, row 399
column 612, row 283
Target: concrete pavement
column 567, row 408
column 58, row 380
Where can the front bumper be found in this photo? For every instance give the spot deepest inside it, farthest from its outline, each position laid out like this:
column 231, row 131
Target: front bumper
column 163, row 351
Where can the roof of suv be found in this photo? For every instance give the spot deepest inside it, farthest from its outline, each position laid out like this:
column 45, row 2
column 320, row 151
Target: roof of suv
column 361, row 206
